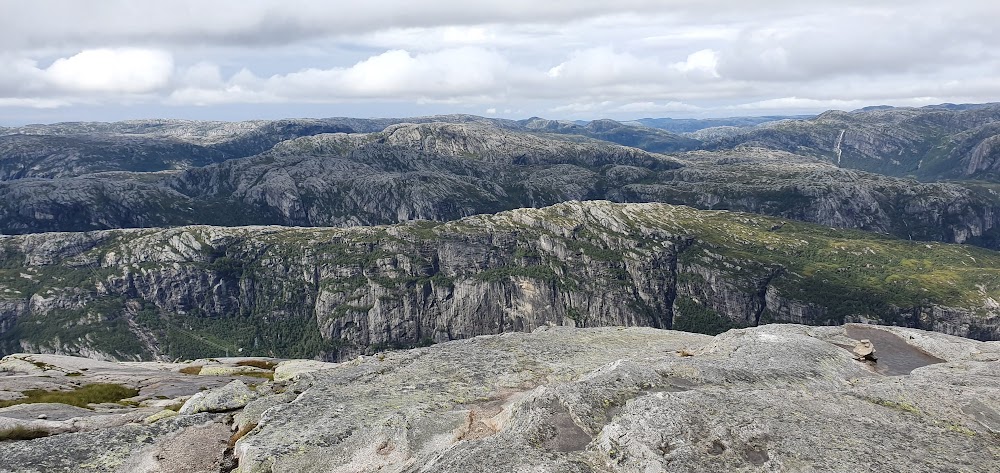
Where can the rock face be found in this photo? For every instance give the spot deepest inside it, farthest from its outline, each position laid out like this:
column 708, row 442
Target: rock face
column 336, row 293
column 772, row 398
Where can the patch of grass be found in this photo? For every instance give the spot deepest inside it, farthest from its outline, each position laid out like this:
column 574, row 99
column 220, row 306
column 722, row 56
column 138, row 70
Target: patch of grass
column 194, row 369
column 262, row 364
column 22, row 433
column 82, row 396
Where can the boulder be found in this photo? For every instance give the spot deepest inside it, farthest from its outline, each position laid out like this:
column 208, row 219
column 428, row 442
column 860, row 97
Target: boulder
column 227, row 398
column 865, row 350
column 287, row 370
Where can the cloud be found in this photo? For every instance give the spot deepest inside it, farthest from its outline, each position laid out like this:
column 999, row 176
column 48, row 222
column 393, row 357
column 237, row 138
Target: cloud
column 652, row 107
column 398, row 74
column 130, row 71
column 33, row 103
column 581, row 59
column 705, row 61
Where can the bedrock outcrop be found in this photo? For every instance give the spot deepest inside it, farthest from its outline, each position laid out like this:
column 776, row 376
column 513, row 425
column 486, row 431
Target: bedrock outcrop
column 773, row 398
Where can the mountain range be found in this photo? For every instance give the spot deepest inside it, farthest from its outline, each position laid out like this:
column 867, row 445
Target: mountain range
column 334, row 237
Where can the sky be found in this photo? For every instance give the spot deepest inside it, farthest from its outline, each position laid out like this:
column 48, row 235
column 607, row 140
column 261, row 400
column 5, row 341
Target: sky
column 72, row 60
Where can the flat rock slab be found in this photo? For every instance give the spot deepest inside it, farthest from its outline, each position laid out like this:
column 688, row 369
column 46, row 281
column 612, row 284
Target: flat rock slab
column 122, row 449
column 771, row 398
column 50, row 411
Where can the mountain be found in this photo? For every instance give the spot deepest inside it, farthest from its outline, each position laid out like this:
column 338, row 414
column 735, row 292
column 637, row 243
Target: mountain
column 690, row 125
column 934, row 143
column 443, row 171
column 76, row 149
column 780, row 397
column 305, row 292
column 646, row 138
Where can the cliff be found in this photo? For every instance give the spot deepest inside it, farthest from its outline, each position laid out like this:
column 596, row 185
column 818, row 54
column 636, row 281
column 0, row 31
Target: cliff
column 335, row 293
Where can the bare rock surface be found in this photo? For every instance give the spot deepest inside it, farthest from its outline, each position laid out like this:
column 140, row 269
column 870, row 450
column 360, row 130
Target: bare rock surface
column 227, row 398
column 771, row 398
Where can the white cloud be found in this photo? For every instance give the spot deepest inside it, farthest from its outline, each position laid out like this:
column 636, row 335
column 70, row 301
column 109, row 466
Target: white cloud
column 604, row 65
column 438, row 76
column 583, row 58
column 652, row 107
column 130, row 71
column 33, row 103
column 705, row 61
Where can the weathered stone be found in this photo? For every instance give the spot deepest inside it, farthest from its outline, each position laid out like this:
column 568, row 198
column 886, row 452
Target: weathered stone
column 227, row 398
column 865, row 350
column 290, row 369
column 164, row 414
column 771, row 398
column 777, row 397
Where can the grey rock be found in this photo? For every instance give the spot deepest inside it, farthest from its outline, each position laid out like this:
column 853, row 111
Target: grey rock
column 127, row 448
column 291, row 369
column 230, row 397
column 864, row 350
column 773, row 398
column 613, row 399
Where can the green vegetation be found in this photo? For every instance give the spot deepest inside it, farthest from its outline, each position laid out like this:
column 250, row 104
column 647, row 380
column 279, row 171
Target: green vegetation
column 689, row 316
column 82, row 396
column 845, row 272
column 262, row 364
column 100, row 325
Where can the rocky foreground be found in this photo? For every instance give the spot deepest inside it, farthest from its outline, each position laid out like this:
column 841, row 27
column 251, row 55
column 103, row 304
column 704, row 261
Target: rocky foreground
column 770, row 398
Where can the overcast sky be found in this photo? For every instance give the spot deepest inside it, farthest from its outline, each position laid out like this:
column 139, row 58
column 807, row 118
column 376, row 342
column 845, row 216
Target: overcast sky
column 575, row 59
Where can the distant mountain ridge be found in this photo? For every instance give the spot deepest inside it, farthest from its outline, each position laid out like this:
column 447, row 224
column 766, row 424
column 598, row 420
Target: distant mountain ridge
column 690, row 125
column 346, row 171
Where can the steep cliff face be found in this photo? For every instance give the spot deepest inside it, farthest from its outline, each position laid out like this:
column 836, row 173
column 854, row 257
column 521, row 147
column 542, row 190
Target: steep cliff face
column 339, row 292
